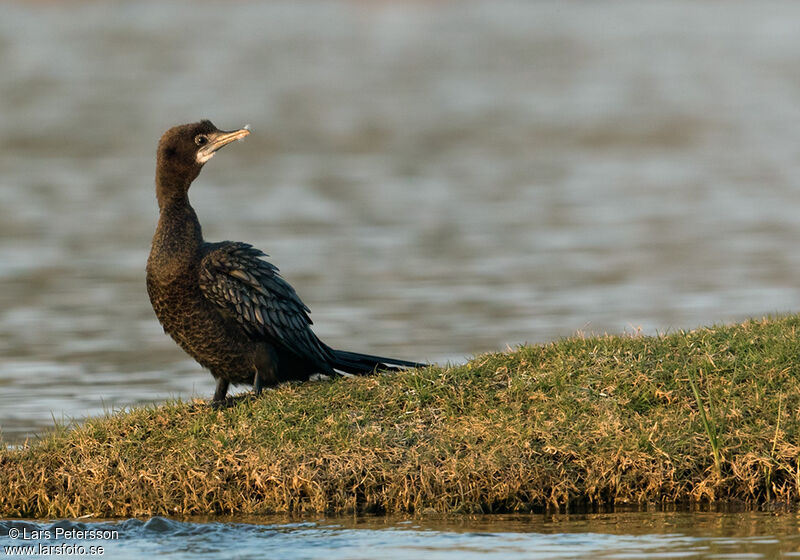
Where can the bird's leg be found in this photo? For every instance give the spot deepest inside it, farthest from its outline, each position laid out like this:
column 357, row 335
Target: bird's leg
column 265, row 366
column 258, row 382
column 222, row 390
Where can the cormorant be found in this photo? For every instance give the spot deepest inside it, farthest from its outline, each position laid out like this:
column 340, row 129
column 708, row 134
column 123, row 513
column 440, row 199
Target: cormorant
column 222, row 303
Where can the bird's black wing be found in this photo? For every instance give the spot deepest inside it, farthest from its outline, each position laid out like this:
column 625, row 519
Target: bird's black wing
column 235, row 277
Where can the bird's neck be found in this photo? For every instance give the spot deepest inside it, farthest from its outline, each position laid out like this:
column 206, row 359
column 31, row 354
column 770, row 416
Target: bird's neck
column 172, row 187
column 177, row 240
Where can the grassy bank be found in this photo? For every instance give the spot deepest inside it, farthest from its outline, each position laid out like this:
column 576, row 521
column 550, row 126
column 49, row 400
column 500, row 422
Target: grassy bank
column 707, row 415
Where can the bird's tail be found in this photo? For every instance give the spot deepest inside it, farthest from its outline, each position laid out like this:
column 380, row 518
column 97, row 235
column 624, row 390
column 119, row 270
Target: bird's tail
column 364, row 364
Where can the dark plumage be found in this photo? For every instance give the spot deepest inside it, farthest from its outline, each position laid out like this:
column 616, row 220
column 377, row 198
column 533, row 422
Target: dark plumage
column 222, row 303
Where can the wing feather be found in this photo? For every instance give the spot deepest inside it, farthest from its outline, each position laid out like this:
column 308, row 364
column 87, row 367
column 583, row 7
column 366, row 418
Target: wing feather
column 234, row 277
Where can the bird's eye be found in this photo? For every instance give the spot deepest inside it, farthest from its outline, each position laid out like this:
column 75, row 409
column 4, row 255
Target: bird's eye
column 200, row 140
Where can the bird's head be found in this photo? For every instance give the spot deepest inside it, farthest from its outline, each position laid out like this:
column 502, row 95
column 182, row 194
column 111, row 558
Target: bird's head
column 184, row 149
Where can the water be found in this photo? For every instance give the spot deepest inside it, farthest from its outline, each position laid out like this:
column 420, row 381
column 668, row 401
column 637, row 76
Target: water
column 632, row 535
column 437, row 179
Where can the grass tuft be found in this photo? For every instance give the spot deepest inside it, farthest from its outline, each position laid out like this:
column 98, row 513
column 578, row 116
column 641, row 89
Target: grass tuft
column 584, row 421
column 708, row 425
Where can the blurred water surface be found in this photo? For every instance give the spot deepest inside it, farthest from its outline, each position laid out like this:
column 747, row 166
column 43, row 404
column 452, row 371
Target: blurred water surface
column 436, row 179
column 626, row 535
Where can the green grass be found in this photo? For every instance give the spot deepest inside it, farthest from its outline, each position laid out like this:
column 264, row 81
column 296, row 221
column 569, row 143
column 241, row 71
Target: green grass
column 708, row 425
column 701, row 416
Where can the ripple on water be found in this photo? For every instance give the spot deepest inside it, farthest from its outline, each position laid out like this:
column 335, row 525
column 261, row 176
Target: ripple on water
column 642, row 535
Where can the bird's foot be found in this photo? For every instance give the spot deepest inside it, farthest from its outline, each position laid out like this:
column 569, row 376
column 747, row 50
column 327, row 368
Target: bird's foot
column 221, row 404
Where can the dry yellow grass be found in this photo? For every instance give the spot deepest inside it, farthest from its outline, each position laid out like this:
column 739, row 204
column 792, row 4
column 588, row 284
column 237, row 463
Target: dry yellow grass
column 603, row 420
